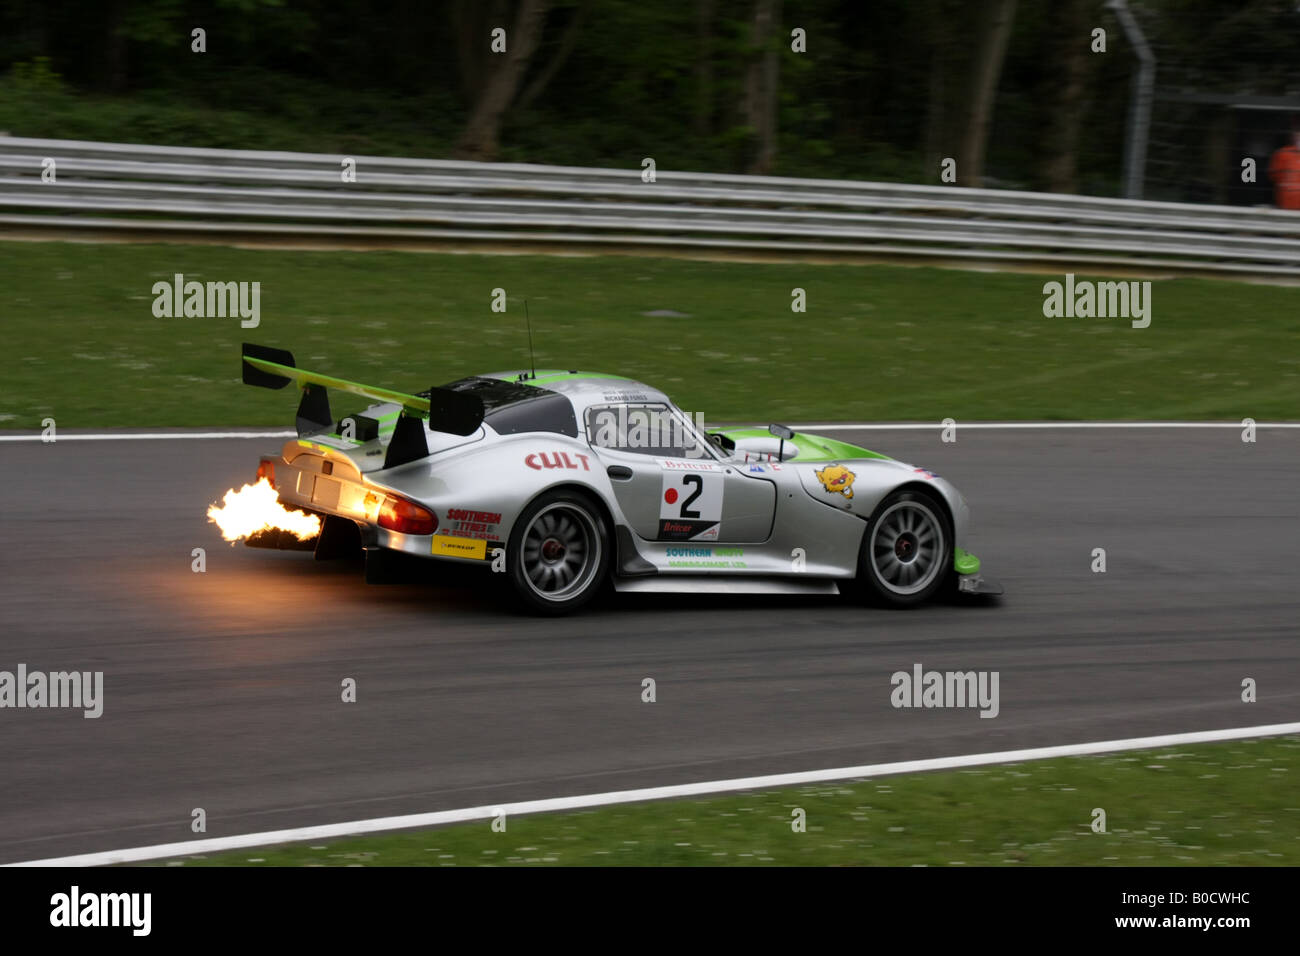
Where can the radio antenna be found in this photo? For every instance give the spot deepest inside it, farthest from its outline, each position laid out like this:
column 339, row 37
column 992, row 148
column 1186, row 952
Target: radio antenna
column 532, row 359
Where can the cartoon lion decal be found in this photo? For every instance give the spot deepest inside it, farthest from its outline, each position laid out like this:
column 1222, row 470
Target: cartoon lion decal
column 837, row 479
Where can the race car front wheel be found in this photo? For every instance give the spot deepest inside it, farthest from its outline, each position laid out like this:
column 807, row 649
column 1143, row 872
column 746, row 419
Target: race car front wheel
column 907, row 550
column 559, row 553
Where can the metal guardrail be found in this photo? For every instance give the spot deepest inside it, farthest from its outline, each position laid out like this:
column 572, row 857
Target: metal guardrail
column 178, row 192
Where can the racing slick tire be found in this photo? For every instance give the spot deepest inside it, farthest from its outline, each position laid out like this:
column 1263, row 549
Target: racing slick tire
column 559, row 553
column 906, row 554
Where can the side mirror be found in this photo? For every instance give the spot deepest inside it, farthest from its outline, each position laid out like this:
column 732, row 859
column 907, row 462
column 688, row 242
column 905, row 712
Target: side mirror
column 783, row 432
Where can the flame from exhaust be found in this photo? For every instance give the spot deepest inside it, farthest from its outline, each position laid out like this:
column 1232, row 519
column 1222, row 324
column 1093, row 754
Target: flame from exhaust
column 255, row 508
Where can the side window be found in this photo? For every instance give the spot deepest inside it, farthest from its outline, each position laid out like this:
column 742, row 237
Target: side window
column 548, row 412
column 650, row 429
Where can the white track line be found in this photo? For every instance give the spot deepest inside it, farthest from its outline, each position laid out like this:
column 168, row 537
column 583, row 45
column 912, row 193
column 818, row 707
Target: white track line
column 1048, row 426
column 149, row 436
column 825, row 426
column 438, row 818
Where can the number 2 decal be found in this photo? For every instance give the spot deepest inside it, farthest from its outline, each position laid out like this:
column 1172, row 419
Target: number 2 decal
column 698, row 483
column 690, row 507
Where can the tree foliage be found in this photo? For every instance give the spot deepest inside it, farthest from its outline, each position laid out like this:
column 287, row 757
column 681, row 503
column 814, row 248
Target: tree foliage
column 883, row 90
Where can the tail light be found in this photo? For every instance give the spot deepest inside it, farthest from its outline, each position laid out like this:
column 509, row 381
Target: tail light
column 398, row 514
column 266, row 469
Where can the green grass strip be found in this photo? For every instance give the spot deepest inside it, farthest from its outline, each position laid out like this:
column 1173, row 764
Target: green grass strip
column 1231, row 803
column 878, row 343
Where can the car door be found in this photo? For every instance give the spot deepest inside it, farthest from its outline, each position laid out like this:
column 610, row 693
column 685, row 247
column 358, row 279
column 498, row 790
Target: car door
column 668, row 483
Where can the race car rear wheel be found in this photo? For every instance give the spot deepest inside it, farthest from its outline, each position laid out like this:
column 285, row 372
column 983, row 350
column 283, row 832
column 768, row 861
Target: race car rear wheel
column 907, row 550
column 559, row 552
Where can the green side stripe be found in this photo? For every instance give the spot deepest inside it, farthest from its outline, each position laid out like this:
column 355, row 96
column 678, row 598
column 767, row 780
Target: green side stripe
column 811, row 447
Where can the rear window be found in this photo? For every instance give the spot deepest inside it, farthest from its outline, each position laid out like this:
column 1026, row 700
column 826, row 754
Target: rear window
column 513, row 407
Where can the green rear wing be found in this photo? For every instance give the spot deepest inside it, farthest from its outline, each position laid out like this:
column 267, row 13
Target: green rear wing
column 444, row 410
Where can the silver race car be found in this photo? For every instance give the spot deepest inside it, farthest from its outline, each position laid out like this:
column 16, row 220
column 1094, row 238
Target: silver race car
column 564, row 480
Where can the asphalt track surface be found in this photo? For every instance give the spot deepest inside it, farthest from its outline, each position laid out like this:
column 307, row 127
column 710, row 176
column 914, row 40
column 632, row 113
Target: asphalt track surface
column 222, row 689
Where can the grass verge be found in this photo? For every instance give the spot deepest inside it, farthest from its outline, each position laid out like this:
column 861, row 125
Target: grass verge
column 1211, row 804
column 876, row 342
